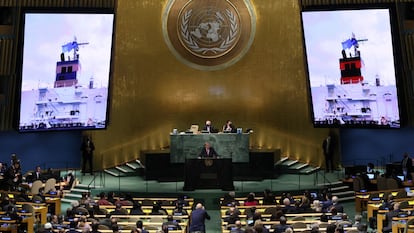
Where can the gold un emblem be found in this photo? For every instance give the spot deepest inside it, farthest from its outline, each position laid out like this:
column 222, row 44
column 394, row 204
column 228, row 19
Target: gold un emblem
column 209, row 34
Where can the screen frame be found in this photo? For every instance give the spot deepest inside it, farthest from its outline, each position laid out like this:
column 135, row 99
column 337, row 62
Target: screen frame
column 397, row 54
column 20, row 58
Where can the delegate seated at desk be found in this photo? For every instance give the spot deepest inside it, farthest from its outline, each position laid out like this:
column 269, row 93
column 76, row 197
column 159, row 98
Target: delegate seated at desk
column 208, row 151
column 229, row 127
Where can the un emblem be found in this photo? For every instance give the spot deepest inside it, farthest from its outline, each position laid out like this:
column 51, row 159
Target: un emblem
column 209, row 34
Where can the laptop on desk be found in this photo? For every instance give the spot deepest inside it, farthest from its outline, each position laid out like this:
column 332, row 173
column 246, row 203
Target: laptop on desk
column 371, row 176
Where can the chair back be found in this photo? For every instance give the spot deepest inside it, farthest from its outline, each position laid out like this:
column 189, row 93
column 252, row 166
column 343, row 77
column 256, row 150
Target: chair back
column 392, row 183
column 36, row 185
column 401, row 194
column 299, row 225
column 298, row 218
column 381, row 183
column 50, row 185
column 28, row 208
column 407, row 228
column 358, row 184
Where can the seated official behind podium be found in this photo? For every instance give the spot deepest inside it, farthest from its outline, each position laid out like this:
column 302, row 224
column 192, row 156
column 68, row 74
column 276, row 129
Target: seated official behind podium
column 208, row 151
column 209, row 128
column 229, row 127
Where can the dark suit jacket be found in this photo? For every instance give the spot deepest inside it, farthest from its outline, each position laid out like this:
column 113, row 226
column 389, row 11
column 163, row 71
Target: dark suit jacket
column 197, row 219
column 408, row 164
column 210, row 129
column 211, row 153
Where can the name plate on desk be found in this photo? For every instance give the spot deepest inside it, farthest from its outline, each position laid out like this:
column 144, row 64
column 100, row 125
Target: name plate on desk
column 233, row 146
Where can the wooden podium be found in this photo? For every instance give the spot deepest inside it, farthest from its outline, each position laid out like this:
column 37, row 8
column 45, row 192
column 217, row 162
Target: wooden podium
column 208, row 173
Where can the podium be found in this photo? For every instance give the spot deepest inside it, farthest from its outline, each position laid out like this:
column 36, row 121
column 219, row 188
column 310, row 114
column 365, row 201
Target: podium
column 208, row 173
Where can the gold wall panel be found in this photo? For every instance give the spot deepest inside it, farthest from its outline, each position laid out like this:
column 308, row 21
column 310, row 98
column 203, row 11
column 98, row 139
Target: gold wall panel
column 153, row 92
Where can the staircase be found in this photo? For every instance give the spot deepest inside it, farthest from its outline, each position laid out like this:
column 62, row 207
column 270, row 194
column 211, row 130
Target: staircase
column 75, row 194
column 288, row 166
column 336, row 187
column 131, row 168
column 339, row 189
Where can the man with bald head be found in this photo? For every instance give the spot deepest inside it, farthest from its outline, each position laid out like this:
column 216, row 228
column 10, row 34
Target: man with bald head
column 198, row 217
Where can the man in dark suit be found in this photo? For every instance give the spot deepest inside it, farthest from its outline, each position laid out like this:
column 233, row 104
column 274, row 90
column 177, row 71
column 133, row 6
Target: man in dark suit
column 208, row 151
column 208, row 127
column 87, row 148
column 407, row 166
column 36, row 175
column 170, row 224
column 197, row 219
column 328, row 152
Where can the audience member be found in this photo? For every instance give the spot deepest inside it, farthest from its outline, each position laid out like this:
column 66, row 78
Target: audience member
column 315, row 228
column 124, row 200
column 250, row 200
column 140, row 226
column 179, row 210
column 72, row 226
column 155, row 210
column 229, row 199
column 232, row 215
column 336, row 205
column 102, row 200
column 47, row 228
column 357, row 219
column 388, row 217
column 83, row 225
column 259, row 227
column 268, row 197
column 95, row 228
column 288, row 208
column 238, row 228
column 316, row 206
column 118, row 210
column 305, row 204
column 362, row 228
column 282, row 226
column 111, row 197
column 136, row 209
column 331, row 228
column 170, row 224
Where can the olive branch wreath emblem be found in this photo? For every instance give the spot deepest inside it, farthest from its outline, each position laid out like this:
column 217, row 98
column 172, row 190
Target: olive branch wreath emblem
column 227, row 43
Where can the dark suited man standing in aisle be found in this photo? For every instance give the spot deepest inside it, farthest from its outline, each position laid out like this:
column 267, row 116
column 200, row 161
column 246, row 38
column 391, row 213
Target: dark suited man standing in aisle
column 87, row 148
column 328, row 147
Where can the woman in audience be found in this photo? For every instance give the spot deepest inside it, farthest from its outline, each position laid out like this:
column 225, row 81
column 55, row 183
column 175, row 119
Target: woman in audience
column 250, row 200
column 102, row 200
column 156, row 210
column 305, row 204
column 83, row 225
column 111, row 197
column 316, row 206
